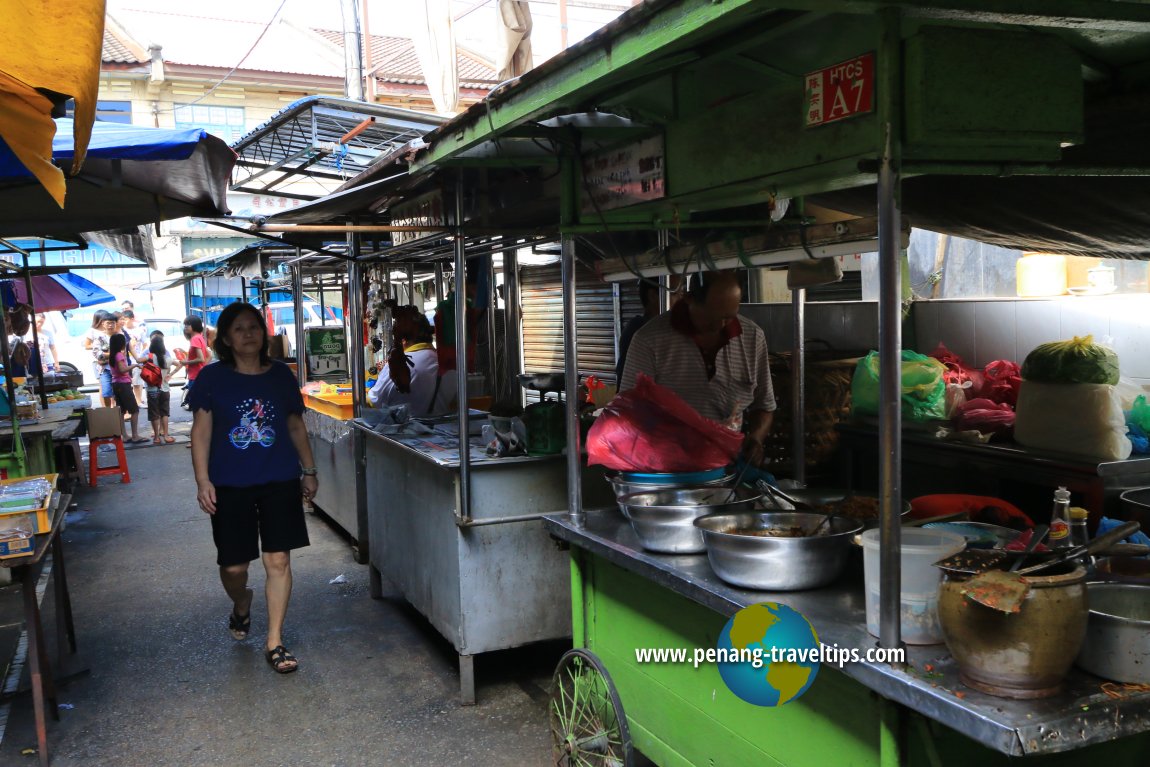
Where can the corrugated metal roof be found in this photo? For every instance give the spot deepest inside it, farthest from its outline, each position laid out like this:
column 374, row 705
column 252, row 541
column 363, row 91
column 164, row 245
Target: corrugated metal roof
column 394, row 60
column 304, row 139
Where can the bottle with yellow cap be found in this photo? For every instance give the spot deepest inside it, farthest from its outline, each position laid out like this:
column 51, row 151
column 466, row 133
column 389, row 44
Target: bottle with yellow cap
column 1079, row 536
column 1060, row 520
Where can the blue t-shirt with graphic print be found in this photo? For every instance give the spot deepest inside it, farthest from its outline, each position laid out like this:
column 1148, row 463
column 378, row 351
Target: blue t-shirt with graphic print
column 250, row 440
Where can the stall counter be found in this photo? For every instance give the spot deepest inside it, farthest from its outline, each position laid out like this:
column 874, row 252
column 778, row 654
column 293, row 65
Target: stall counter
column 634, row 599
column 488, row 580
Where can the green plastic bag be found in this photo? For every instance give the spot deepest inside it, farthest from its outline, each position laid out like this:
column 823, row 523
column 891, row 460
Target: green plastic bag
column 1077, row 361
column 1140, row 413
column 923, row 387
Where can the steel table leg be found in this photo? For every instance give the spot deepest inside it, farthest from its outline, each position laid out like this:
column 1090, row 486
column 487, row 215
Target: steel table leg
column 43, row 691
column 467, row 679
column 376, row 582
column 65, row 627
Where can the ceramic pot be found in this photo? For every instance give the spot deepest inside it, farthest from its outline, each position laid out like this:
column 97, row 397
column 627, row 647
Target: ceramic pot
column 1017, row 655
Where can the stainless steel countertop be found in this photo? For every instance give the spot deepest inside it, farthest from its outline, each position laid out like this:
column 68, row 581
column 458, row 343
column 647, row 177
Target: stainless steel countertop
column 1005, row 451
column 419, row 445
column 1082, row 715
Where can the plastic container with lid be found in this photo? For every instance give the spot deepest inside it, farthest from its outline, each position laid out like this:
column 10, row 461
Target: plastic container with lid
column 920, row 581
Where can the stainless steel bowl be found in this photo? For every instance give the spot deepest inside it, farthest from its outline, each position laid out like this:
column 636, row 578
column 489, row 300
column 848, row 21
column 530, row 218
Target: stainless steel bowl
column 663, row 519
column 1117, row 644
column 775, row 563
column 623, row 488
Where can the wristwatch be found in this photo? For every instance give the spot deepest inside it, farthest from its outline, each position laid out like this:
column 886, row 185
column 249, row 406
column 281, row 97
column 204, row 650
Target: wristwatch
column 310, row 471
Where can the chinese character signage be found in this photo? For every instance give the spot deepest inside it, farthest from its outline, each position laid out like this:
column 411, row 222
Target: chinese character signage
column 840, row 91
column 624, row 176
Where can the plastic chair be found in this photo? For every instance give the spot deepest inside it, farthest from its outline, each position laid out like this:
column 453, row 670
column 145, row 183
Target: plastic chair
column 95, row 471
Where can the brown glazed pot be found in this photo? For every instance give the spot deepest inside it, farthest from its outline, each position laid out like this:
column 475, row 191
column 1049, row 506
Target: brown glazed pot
column 1020, row 655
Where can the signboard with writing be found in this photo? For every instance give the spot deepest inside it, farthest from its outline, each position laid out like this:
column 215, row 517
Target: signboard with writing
column 624, row 176
column 94, row 255
column 192, row 248
column 326, row 353
column 840, row 91
column 424, row 210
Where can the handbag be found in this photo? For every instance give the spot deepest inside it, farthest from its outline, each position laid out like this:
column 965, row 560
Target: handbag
column 152, row 374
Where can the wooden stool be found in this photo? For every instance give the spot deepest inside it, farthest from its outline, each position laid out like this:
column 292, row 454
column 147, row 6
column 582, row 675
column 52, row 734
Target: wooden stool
column 121, row 466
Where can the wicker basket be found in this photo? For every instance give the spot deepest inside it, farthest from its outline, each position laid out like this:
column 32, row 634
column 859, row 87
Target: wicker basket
column 828, row 401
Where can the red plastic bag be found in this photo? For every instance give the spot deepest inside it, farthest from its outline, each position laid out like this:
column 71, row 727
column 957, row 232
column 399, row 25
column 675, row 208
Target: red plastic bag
column 986, row 416
column 957, row 371
column 650, row 429
column 1003, row 379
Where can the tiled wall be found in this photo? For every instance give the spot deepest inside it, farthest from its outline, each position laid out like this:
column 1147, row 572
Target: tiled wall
column 980, row 331
column 983, row 331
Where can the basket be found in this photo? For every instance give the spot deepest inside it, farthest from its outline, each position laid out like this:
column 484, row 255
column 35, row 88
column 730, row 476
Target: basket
column 828, row 401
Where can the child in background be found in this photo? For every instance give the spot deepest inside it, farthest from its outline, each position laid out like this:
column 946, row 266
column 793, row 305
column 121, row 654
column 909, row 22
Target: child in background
column 122, row 383
column 159, row 397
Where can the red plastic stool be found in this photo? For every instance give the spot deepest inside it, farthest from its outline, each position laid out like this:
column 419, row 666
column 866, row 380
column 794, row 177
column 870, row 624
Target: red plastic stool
column 94, row 469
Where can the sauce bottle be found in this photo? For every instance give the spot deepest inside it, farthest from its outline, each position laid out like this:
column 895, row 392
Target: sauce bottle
column 1060, row 520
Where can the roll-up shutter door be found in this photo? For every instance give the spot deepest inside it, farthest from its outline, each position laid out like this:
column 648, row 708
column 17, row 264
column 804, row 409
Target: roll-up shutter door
column 542, row 300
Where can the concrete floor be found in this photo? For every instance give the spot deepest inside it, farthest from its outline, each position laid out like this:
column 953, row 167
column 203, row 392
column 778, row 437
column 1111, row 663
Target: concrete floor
column 167, row 685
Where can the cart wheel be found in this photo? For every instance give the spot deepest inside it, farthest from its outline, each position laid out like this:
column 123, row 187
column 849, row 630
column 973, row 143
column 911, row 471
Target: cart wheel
column 588, row 728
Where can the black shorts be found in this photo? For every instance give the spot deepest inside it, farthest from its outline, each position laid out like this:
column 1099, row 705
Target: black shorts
column 125, row 398
column 159, row 404
column 265, row 517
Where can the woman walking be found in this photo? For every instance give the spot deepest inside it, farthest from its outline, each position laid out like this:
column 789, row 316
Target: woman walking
column 104, row 326
column 158, row 393
column 121, row 374
column 253, row 467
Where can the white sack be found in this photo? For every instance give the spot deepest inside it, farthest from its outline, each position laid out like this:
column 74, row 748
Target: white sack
column 1085, row 420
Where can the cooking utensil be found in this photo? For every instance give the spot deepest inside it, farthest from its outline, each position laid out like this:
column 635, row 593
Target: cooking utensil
column 739, row 481
column 775, row 563
column 1036, row 537
column 1117, row 644
column 1005, row 591
column 662, row 519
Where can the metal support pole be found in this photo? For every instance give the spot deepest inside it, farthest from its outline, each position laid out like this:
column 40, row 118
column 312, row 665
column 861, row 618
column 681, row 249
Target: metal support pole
column 35, row 336
column 461, row 360
column 571, row 374
column 799, row 386
column 244, row 289
column 890, row 344
column 411, row 286
column 354, row 321
column 439, row 291
column 297, row 301
column 318, row 282
column 512, row 317
column 489, row 320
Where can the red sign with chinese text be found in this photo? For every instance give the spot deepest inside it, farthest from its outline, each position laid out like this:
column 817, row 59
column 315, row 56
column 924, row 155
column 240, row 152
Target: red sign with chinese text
column 840, row 91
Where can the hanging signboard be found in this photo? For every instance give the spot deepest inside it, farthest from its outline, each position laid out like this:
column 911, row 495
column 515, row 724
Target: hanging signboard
column 424, row 210
column 840, row 91
column 624, row 176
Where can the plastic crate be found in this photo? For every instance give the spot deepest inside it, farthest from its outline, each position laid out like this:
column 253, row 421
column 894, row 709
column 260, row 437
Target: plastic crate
column 41, row 517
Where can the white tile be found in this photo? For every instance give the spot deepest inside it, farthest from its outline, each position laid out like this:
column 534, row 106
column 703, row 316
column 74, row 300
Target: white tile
column 956, row 328
column 1085, row 316
column 1130, row 328
column 1037, row 322
column 995, row 332
column 926, row 326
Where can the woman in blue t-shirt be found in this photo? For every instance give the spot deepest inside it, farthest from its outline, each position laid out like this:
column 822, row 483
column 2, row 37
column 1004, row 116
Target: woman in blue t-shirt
column 253, row 466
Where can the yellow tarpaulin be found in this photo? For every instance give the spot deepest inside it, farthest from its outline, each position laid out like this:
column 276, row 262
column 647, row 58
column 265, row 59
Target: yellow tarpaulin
column 53, row 45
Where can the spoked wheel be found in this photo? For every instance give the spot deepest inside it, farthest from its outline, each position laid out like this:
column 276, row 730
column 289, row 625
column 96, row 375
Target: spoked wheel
column 588, row 728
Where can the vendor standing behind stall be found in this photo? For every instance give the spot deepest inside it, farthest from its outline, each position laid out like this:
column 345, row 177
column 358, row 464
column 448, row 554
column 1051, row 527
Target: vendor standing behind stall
column 715, row 360
column 411, row 375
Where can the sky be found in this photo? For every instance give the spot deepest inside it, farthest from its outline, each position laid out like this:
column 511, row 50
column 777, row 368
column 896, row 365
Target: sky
column 474, row 28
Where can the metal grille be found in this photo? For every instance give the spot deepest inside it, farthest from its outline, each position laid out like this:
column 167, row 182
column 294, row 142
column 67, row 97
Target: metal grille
column 542, row 300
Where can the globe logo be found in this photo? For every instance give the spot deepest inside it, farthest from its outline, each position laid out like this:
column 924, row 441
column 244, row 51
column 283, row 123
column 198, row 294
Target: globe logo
column 747, row 664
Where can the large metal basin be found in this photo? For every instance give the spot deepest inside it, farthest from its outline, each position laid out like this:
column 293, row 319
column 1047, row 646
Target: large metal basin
column 663, row 519
column 774, row 563
column 1117, row 642
column 624, row 487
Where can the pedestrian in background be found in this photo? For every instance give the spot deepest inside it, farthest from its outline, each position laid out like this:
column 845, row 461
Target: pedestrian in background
column 137, row 350
column 160, row 397
column 121, row 373
column 98, row 341
column 253, row 468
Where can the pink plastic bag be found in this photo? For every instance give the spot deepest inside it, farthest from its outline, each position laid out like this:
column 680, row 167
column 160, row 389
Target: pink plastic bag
column 650, row 429
column 986, row 416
